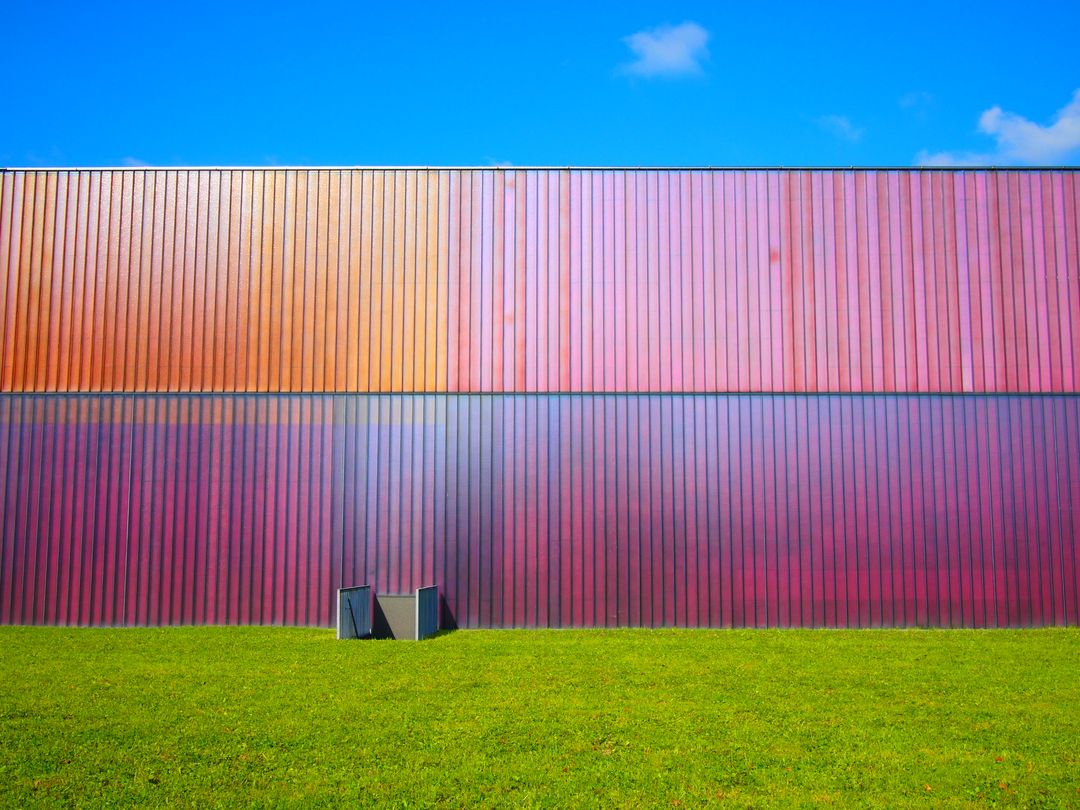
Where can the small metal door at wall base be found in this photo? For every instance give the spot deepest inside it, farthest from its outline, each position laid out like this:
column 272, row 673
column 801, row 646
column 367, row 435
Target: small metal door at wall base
column 427, row 611
column 355, row 611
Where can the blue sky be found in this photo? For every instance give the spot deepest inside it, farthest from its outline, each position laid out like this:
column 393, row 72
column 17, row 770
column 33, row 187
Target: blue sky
column 622, row 83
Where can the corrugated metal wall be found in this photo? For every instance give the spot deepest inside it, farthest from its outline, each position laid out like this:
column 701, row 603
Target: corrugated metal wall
column 566, row 397
column 737, row 510
column 530, row 280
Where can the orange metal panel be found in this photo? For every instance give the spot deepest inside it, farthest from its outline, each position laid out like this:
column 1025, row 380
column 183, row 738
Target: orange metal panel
column 442, row 327
column 276, row 311
column 418, row 305
column 339, row 258
column 150, row 298
column 117, row 315
column 9, row 255
column 33, row 216
column 288, row 282
column 200, row 364
column 117, row 248
column 396, row 262
column 258, row 281
column 46, row 359
column 172, row 280
column 216, row 271
column 320, row 284
column 407, row 287
column 453, row 261
column 66, row 226
column 307, row 189
column 561, row 266
column 43, row 356
column 189, row 278
column 262, row 277
column 97, row 276
column 18, row 269
column 366, row 283
column 382, row 270
column 229, row 331
column 428, row 277
column 77, row 349
column 431, row 280
column 349, row 281
column 134, row 295
column 243, row 287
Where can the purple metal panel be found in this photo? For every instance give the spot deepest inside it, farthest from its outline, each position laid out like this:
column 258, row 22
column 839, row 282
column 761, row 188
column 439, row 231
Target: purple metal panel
column 572, row 510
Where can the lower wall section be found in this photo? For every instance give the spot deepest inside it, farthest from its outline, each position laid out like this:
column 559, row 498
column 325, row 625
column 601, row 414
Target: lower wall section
column 541, row 510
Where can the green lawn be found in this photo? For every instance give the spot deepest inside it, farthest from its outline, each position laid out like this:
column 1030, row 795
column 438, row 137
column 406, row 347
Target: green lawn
column 205, row 716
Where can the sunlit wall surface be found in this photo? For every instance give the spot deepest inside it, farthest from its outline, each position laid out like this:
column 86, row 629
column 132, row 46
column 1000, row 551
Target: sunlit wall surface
column 567, row 397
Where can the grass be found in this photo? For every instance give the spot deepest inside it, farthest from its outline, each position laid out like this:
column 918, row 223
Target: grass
column 273, row 716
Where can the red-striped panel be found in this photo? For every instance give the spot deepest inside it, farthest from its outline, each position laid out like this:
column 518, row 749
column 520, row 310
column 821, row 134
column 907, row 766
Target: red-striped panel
column 540, row 280
column 590, row 510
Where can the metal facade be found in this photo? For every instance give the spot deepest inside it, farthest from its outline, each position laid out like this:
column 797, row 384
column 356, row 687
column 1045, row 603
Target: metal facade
column 565, row 397
column 522, row 281
column 560, row 510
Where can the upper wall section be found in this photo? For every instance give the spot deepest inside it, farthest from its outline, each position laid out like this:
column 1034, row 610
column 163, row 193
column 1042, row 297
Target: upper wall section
column 539, row 280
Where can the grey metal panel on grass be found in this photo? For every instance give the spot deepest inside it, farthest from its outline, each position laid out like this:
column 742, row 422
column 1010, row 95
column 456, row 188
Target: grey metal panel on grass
column 427, row 611
column 355, row 612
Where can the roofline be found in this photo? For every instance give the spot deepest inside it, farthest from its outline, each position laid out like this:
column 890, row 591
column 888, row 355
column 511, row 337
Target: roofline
column 546, row 168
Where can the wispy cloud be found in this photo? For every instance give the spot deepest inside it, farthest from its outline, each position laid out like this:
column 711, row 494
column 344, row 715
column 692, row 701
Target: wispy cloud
column 1018, row 140
column 670, row 50
column 916, row 99
column 917, row 103
column 927, row 158
column 134, row 162
column 841, row 127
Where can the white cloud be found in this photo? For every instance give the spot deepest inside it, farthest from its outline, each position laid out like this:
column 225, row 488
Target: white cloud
column 668, row 50
column 927, row 158
column 134, row 162
column 841, row 127
column 1028, row 142
column 1019, row 140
